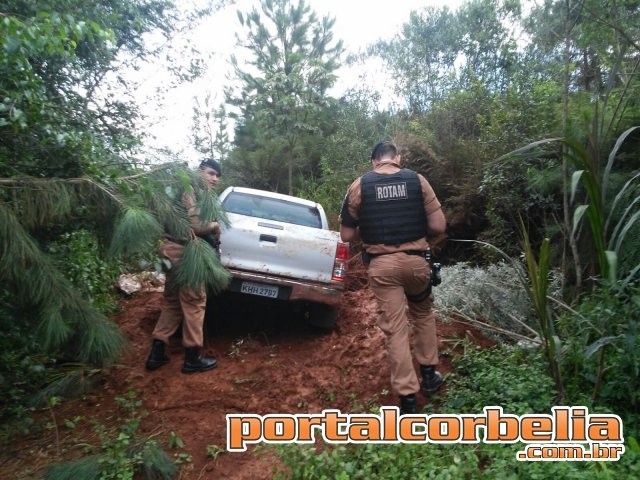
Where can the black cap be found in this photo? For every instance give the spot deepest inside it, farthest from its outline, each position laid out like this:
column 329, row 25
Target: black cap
column 211, row 163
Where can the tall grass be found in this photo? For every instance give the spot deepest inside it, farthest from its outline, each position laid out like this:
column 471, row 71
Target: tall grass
column 537, row 288
column 534, row 281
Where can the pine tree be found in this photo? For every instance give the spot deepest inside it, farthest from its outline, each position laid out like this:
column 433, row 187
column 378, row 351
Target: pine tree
column 282, row 100
column 68, row 161
column 139, row 207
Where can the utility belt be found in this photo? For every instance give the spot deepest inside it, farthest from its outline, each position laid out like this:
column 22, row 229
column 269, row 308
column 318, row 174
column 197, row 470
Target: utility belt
column 175, row 240
column 367, row 257
column 209, row 238
column 435, row 277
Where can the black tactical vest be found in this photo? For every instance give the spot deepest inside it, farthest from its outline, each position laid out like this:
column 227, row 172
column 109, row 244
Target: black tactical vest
column 392, row 208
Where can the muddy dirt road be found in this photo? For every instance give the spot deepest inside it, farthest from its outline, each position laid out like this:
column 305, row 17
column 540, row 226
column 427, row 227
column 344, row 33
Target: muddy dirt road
column 269, row 362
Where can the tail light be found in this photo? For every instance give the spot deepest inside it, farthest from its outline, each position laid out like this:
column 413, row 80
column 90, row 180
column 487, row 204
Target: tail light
column 340, row 264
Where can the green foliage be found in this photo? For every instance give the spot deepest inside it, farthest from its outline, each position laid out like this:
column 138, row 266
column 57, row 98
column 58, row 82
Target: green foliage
column 138, row 224
column 214, row 451
column 210, row 136
column 602, row 351
column 22, row 372
column 392, row 462
column 628, row 196
column 78, row 256
column 536, row 283
column 29, row 378
column 64, row 318
column 422, row 56
column 510, row 377
column 60, row 115
column 359, row 124
column 439, row 51
column 284, row 110
column 439, row 462
column 607, row 242
column 527, row 188
column 28, row 111
column 64, row 381
column 121, row 455
column 597, row 33
column 515, row 378
column 538, row 287
column 64, row 135
column 502, row 465
column 595, row 184
column 210, row 209
column 514, row 119
column 175, row 441
column 200, row 267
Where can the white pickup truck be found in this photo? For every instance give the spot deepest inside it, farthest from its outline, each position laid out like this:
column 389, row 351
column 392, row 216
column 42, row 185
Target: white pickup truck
column 280, row 247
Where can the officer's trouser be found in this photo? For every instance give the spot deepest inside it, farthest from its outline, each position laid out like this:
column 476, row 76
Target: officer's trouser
column 392, row 277
column 180, row 305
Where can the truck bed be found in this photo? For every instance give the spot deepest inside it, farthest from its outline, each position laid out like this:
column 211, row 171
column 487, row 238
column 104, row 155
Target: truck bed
column 280, row 247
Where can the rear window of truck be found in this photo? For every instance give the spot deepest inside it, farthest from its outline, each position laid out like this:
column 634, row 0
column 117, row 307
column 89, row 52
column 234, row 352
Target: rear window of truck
column 272, row 209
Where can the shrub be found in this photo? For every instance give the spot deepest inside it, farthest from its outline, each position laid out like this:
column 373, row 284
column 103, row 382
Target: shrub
column 603, row 348
column 512, row 377
column 491, row 294
column 78, row 256
column 22, row 372
column 122, row 454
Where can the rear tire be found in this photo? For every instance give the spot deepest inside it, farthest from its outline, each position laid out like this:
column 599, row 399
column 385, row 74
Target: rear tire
column 322, row 316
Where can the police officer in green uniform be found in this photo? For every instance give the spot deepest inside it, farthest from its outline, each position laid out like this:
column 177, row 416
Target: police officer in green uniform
column 394, row 211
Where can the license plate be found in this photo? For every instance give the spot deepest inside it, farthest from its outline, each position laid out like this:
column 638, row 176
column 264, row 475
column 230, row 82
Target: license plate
column 259, row 289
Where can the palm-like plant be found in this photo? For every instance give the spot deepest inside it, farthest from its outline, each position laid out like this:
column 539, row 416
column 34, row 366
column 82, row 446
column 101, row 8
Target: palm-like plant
column 599, row 207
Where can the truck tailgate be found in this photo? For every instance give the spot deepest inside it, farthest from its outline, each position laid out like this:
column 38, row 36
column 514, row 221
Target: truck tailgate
column 278, row 248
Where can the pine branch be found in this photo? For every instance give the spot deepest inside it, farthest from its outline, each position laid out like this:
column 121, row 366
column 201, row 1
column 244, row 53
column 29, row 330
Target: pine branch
column 200, row 267
column 43, row 183
column 40, row 202
column 211, row 209
column 72, row 380
column 171, row 214
column 136, row 232
column 65, row 321
column 53, row 329
column 161, row 168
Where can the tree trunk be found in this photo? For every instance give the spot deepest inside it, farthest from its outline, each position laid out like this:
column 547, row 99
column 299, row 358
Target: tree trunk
column 568, row 27
column 290, row 173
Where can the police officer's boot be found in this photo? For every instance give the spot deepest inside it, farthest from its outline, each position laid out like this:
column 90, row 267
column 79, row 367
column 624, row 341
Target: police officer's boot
column 194, row 362
column 157, row 357
column 432, row 380
column 408, row 404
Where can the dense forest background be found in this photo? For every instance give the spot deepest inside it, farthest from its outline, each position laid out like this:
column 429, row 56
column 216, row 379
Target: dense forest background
column 524, row 116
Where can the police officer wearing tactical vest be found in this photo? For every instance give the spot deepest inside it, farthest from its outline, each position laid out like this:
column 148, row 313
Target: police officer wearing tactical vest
column 393, row 210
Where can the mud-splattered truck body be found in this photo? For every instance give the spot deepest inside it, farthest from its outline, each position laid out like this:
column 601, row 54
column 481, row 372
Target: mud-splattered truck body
column 280, row 247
